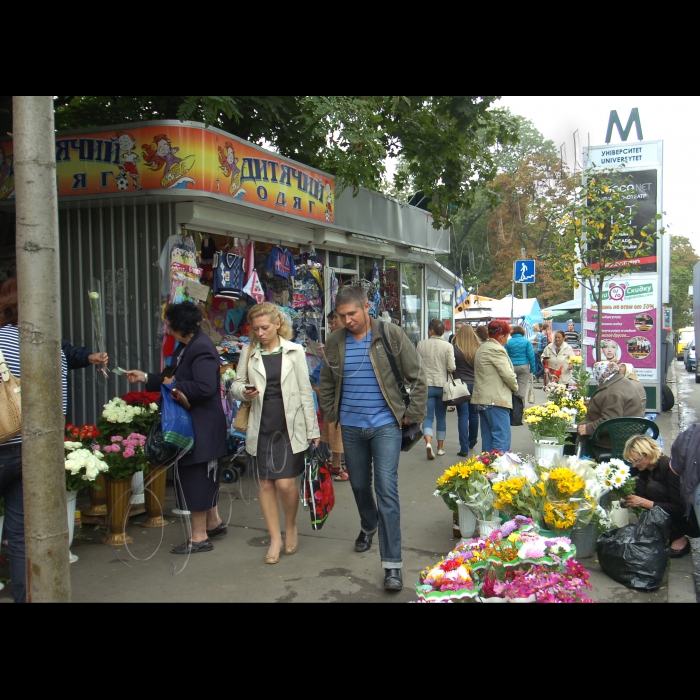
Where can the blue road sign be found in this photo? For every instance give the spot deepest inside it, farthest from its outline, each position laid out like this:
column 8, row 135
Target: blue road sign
column 524, row 271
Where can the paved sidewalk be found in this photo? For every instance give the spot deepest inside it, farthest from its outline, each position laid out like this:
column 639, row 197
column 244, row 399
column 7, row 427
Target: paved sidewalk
column 325, row 568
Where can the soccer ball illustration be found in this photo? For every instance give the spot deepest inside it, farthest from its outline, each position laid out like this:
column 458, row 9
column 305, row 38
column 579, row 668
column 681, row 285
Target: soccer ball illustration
column 122, row 181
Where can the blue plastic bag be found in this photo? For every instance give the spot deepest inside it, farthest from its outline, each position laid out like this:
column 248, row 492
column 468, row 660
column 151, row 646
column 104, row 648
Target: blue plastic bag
column 176, row 422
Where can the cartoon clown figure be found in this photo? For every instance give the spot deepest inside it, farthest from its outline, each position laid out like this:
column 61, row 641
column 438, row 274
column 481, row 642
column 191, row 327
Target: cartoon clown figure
column 127, row 158
column 329, row 203
column 228, row 164
column 161, row 153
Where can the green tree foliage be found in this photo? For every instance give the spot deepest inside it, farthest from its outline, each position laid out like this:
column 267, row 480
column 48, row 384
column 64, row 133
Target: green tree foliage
column 594, row 239
column 683, row 259
column 446, row 141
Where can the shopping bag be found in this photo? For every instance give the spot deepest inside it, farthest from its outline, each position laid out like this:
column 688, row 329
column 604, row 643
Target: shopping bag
column 158, row 452
column 317, row 488
column 455, row 392
column 176, row 422
column 636, row 555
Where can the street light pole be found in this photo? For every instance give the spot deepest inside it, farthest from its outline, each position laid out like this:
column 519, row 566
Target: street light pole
column 43, row 467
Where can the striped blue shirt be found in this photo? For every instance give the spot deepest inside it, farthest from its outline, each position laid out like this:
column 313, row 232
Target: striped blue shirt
column 363, row 405
column 9, row 344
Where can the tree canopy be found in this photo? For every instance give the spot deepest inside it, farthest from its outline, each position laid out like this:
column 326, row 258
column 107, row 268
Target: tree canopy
column 683, row 259
column 447, row 142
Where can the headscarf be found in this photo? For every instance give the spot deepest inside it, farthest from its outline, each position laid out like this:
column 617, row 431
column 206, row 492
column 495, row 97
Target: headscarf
column 602, row 371
column 630, row 372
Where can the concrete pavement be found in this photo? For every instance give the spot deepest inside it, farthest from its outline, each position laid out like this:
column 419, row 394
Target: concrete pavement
column 325, row 568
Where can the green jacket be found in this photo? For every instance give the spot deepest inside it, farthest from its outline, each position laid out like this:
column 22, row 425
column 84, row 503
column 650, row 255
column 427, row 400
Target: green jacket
column 494, row 377
column 407, row 360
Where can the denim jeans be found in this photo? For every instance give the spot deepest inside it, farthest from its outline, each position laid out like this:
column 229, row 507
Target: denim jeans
column 495, row 429
column 467, row 425
column 436, row 407
column 381, row 446
column 13, row 532
column 538, row 364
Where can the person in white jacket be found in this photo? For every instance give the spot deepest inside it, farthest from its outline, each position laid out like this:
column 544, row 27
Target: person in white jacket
column 273, row 375
column 439, row 361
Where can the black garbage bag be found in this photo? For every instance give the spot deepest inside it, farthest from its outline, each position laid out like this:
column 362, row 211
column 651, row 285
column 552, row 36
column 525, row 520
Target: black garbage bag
column 636, row 555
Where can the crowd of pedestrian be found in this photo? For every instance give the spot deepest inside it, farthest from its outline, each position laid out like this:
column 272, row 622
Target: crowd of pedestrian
column 365, row 413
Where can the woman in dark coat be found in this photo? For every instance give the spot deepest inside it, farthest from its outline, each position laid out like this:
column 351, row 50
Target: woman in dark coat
column 197, row 378
column 659, row 484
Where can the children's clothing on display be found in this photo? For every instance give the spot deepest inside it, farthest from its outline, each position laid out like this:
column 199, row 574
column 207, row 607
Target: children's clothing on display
column 281, row 262
column 182, row 242
column 307, row 287
column 234, row 317
column 228, row 275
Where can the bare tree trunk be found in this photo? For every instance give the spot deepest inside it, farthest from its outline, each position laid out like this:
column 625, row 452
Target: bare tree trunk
column 45, row 523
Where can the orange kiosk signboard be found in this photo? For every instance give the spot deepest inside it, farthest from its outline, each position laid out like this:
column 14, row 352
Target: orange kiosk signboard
column 178, row 156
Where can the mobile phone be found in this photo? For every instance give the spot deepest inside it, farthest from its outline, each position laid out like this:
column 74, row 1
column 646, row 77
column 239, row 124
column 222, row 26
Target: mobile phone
column 250, row 388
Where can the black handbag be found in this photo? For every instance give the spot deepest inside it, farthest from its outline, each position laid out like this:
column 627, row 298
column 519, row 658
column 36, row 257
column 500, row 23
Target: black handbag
column 516, row 413
column 158, row 452
column 410, row 434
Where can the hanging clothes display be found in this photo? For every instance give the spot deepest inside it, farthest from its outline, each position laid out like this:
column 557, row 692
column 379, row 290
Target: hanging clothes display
column 281, row 263
column 164, row 260
column 228, row 275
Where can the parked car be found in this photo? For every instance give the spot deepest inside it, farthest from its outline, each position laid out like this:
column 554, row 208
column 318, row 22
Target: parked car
column 689, row 358
column 685, row 335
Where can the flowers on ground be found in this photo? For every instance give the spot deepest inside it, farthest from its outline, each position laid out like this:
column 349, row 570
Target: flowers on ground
column 615, row 476
column 459, row 482
column 548, row 586
column 550, row 421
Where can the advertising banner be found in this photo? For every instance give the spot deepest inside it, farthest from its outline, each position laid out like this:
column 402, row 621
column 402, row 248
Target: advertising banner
column 629, row 324
column 182, row 157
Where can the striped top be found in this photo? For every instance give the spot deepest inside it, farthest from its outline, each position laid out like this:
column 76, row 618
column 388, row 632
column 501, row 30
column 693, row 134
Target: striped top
column 9, row 344
column 363, row 405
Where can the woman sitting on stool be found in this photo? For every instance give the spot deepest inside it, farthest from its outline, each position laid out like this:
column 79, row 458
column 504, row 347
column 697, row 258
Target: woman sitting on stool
column 659, row 485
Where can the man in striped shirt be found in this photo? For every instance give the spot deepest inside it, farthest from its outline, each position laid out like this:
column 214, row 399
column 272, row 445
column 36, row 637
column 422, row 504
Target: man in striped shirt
column 11, row 451
column 359, row 391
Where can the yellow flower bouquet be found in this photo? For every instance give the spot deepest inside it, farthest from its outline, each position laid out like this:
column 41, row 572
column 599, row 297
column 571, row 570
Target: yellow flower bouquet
column 567, row 500
column 455, row 484
column 549, row 421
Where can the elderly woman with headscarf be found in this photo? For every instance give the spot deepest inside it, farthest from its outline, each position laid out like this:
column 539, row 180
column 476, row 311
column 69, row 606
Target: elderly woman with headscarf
column 628, row 370
column 616, row 397
column 495, row 382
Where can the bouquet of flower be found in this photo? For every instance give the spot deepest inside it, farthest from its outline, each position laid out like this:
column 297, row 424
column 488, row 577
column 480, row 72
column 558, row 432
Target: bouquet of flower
column 124, row 455
column 615, row 476
column 572, row 401
column 83, row 465
column 117, row 415
column 548, row 586
column 517, row 497
column 549, row 421
column 454, row 484
column 148, row 401
column 567, row 500
column 509, row 465
column 97, row 322
column 76, row 433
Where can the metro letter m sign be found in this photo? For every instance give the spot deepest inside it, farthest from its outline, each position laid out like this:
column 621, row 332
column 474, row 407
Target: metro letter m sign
column 624, row 133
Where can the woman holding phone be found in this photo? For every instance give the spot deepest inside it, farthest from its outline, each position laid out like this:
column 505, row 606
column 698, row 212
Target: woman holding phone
column 273, row 375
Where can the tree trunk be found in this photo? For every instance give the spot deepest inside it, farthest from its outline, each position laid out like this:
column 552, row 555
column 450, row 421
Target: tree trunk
column 43, row 469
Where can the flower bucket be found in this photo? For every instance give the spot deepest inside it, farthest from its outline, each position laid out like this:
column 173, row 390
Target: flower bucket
column 467, row 521
column 137, row 495
column 546, row 449
column 71, row 499
column 620, row 516
column 118, row 496
column 584, row 538
column 492, row 600
column 486, row 527
column 530, row 599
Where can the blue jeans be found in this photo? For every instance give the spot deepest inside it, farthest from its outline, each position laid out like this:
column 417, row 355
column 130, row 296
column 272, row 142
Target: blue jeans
column 363, row 446
column 495, row 429
column 11, row 491
column 467, row 425
column 436, row 407
column 539, row 373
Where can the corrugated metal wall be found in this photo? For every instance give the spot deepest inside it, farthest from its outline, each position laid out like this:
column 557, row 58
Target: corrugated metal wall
column 120, row 247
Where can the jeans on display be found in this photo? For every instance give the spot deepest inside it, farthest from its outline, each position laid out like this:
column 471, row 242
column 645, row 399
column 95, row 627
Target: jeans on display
column 467, row 424
column 13, row 532
column 379, row 449
column 437, row 410
column 495, row 428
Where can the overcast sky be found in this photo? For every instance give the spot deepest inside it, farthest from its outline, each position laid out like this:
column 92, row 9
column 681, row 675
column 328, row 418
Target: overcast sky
column 671, row 119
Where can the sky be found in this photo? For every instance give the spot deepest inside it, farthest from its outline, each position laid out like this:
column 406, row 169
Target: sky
column 670, row 119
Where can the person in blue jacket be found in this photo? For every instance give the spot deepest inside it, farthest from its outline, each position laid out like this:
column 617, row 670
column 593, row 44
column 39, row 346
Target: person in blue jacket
column 79, row 358
column 522, row 355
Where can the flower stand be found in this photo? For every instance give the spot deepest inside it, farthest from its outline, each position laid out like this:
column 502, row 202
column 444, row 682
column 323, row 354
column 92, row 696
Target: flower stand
column 118, row 496
column 137, row 497
column 585, row 538
column 71, row 498
column 546, row 449
column 155, row 497
column 467, row 521
column 98, row 499
column 620, row 516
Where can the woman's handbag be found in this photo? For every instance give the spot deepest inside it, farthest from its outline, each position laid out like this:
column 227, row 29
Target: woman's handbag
column 240, row 422
column 158, row 452
column 317, row 488
column 10, row 403
column 516, row 413
column 455, row 392
column 531, row 393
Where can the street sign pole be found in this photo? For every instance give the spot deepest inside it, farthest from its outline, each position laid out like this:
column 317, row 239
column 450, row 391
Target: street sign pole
column 523, row 252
